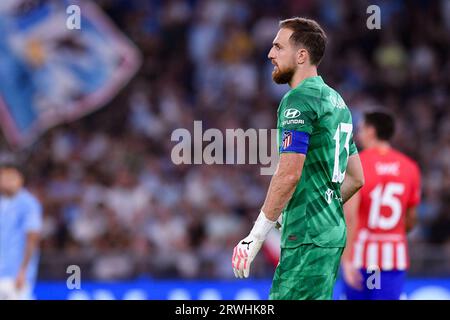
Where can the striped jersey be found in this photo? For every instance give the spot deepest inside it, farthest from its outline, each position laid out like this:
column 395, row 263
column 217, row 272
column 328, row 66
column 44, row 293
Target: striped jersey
column 392, row 185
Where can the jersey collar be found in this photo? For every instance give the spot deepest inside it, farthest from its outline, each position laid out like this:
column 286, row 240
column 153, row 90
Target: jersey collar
column 314, row 79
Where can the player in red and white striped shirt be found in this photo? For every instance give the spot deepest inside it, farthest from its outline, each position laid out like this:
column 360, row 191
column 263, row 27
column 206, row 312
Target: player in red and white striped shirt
column 380, row 214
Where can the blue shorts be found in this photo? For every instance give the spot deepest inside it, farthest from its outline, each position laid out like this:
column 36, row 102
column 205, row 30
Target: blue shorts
column 391, row 284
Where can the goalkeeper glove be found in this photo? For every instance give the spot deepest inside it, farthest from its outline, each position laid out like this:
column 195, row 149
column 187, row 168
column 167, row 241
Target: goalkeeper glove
column 245, row 251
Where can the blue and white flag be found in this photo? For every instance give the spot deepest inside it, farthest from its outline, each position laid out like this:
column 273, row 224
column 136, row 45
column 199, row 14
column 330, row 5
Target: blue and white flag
column 50, row 73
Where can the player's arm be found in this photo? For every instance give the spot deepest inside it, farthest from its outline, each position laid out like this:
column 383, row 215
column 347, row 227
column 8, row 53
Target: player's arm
column 414, row 200
column 351, row 274
column 283, row 184
column 411, row 218
column 33, row 225
column 32, row 244
column 354, row 178
column 353, row 181
column 351, row 209
column 281, row 188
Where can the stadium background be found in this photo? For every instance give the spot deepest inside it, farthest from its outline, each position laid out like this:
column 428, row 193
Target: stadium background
column 141, row 227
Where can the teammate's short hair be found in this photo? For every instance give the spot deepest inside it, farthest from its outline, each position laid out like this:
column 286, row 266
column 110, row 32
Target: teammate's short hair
column 383, row 123
column 309, row 34
column 8, row 161
column 11, row 165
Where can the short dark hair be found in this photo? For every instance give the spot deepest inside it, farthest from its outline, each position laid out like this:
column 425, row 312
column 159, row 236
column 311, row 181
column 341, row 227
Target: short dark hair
column 9, row 161
column 11, row 165
column 383, row 123
column 307, row 33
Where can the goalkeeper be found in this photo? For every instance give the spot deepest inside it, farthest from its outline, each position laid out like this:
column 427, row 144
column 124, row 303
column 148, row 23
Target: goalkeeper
column 319, row 170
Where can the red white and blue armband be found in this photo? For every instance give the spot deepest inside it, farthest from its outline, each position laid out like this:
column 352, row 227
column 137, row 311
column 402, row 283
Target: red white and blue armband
column 294, row 141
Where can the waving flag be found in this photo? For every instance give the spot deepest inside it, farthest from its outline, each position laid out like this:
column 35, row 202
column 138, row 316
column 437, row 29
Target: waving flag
column 50, row 74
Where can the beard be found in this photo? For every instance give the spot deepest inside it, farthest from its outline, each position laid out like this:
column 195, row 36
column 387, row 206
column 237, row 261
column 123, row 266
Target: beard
column 283, row 76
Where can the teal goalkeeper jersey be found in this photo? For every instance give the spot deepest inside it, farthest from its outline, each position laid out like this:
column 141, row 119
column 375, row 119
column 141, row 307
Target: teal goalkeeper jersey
column 314, row 214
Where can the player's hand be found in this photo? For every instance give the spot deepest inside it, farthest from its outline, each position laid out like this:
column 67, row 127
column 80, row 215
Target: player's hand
column 243, row 254
column 352, row 276
column 246, row 250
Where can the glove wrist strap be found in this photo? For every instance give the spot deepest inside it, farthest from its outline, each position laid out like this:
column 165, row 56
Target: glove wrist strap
column 262, row 226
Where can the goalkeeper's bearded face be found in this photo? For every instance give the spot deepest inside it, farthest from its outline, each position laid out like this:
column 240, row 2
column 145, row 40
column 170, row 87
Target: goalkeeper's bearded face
column 283, row 57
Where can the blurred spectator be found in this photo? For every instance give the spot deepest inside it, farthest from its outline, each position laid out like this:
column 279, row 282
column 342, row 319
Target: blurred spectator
column 20, row 228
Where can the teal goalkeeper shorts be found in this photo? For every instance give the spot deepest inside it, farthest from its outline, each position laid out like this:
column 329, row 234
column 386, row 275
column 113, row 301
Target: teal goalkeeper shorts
column 307, row 272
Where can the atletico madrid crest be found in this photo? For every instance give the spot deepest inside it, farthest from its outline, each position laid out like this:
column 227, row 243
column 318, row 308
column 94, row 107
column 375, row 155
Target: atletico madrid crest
column 287, row 139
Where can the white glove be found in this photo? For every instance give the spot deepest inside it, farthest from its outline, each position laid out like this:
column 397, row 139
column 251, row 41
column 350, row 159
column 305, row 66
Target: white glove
column 245, row 251
column 243, row 255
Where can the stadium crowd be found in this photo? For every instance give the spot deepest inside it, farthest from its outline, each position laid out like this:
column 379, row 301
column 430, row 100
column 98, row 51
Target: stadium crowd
column 115, row 203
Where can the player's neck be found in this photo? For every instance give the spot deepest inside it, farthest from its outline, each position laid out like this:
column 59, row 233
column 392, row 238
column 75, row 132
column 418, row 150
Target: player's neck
column 7, row 195
column 380, row 145
column 301, row 75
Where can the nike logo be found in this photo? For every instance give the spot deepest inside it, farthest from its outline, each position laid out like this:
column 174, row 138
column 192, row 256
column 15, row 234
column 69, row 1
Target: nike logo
column 247, row 243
